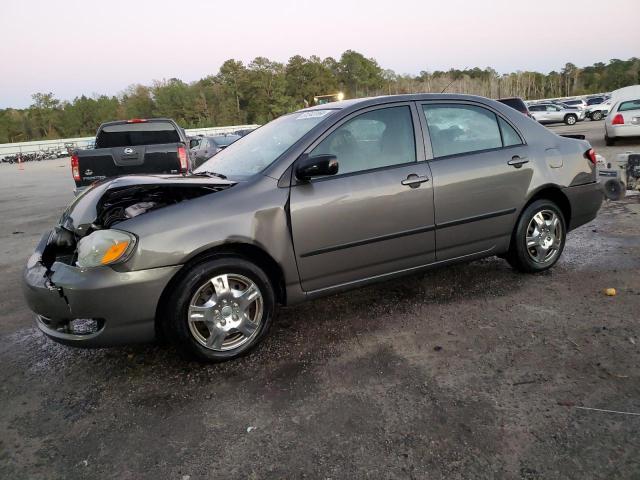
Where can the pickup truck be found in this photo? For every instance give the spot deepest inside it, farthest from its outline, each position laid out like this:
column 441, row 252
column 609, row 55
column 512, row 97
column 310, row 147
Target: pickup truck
column 125, row 147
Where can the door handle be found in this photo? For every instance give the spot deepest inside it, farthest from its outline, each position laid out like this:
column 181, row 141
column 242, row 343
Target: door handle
column 517, row 161
column 414, row 180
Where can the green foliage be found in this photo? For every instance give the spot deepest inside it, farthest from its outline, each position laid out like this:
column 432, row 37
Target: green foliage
column 265, row 89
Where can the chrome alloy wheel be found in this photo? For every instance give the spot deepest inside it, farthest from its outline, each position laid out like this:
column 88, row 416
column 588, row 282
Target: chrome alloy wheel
column 226, row 312
column 544, row 236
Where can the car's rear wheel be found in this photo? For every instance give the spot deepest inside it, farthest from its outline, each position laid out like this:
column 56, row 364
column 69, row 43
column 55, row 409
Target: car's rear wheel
column 220, row 309
column 538, row 239
column 596, row 115
column 609, row 141
column 570, row 119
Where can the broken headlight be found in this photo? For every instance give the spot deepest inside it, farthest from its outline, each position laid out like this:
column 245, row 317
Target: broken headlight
column 104, row 247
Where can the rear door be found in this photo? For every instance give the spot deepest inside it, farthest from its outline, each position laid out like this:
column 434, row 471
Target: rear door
column 376, row 215
column 481, row 175
column 538, row 112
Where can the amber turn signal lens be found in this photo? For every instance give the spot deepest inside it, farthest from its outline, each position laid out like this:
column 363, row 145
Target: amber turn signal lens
column 114, row 252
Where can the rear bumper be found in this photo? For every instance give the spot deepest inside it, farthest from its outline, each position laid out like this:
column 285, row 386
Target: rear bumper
column 626, row 130
column 585, row 201
column 122, row 304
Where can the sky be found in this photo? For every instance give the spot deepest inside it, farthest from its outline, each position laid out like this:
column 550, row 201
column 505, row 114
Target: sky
column 75, row 47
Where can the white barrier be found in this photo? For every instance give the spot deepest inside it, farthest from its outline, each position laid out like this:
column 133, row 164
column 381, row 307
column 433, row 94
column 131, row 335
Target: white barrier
column 84, row 142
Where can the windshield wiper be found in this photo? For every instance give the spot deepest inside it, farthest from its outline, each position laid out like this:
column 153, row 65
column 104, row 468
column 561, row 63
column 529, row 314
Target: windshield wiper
column 211, row 174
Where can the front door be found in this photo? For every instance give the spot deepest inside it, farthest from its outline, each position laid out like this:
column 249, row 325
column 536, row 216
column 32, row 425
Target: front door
column 376, row 215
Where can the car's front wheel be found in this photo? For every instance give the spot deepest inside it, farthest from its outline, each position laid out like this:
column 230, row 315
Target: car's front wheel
column 570, row 119
column 538, row 239
column 220, row 309
column 596, row 115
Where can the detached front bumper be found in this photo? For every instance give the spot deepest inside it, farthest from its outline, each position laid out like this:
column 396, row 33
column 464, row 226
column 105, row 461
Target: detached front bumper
column 585, row 201
column 120, row 306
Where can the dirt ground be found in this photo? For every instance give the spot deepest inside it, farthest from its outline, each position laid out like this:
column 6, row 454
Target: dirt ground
column 473, row 371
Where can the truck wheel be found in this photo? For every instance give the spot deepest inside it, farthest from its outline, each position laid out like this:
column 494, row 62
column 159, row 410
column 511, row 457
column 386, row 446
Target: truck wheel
column 570, row 119
column 609, row 141
column 597, row 115
column 220, row 309
column 538, row 238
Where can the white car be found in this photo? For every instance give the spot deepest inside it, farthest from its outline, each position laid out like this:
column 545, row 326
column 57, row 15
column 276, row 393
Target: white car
column 599, row 111
column 623, row 121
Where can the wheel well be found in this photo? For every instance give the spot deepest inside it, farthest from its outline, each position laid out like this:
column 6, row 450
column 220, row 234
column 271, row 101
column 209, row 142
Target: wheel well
column 556, row 196
column 248, row 252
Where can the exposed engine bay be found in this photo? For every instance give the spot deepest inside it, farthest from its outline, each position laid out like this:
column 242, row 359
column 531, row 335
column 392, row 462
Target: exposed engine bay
column 113, row 206
column 122, row 204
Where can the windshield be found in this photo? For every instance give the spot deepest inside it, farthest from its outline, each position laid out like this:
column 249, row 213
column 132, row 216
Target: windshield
column 630, row 105
column 253, row 153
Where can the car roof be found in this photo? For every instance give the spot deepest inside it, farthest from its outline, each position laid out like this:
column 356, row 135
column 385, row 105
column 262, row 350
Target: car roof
column 372, row 101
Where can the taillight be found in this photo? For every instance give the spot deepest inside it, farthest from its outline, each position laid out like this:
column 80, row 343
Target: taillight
column 591, row 155
column 75, row 168
column 182, row 155
column 618, row 120
column 137, row 120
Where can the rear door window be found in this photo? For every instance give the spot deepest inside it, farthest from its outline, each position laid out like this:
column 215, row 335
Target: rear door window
column 459, row 128
column 509, row 136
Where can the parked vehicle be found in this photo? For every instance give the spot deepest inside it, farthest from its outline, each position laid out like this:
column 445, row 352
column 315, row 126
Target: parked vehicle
column 208, row 146
column 551, row 113
column 518, row 104
column 578, row 103
column 599, row 110
column 315, row 202
column 595, row 101
column 243, row 132
column 155, row 145
column 623, row 121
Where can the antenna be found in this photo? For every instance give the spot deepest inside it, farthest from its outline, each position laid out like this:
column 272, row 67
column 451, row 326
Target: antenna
column 443, row 90
column 451, row 82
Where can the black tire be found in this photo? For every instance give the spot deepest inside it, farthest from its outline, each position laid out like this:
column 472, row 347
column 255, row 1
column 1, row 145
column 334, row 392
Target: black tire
column 519, row 256
column 175, row 323
column 597, row 115
column 570, row 119
column 614, row 189
column 609, row 141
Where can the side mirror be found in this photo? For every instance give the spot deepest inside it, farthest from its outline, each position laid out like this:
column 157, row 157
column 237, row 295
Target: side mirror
column 193, row 143
column 316, row 166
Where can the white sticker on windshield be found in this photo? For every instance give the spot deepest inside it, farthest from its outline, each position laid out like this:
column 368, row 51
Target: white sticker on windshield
column 313, row 114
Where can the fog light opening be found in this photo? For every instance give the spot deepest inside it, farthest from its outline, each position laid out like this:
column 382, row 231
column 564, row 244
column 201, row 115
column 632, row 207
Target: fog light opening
column 84, row 326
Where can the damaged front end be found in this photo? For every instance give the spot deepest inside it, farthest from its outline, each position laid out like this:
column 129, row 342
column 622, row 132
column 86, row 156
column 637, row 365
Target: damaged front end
column 80, row 304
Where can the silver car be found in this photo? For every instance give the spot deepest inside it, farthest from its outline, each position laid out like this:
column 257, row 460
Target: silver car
column 578, row 103
column 623, row 121
column 553, row 113
column 316, row 202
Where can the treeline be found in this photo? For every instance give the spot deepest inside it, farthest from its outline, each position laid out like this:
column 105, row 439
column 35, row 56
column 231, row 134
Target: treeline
column 264, row 89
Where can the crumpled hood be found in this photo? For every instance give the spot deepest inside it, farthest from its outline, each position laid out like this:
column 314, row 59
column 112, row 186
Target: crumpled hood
column 81, row 214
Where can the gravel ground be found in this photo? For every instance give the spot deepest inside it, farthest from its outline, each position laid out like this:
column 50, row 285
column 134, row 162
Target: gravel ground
column 473, row 371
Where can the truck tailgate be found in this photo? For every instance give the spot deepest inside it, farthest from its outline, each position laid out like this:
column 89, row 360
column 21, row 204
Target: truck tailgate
column 102, row 163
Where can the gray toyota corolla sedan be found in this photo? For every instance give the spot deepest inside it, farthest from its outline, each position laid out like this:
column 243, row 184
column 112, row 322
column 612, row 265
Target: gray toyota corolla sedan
column 315, row 202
